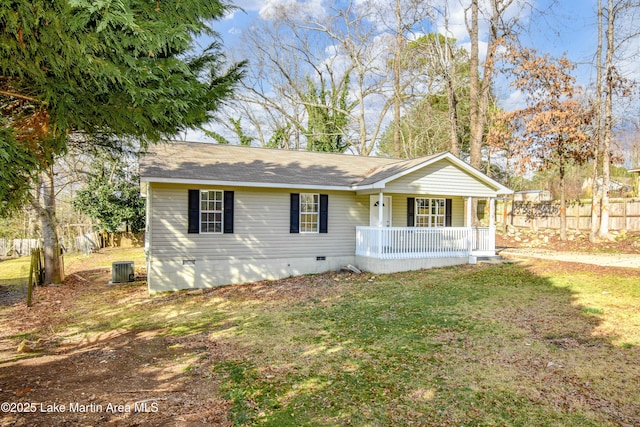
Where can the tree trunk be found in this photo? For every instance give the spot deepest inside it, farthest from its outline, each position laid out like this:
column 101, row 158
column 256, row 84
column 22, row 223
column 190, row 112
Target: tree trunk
column 397, row 67
column 480, row 88
column 452, row 102
column 474, row 89
column 595, row 191
column 46, row 210
column 563, row 206
column 608, row 125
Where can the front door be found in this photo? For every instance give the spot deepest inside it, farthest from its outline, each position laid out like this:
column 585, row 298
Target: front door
column 374, row 211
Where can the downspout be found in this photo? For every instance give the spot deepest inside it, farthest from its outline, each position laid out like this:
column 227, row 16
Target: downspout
column 148, row 234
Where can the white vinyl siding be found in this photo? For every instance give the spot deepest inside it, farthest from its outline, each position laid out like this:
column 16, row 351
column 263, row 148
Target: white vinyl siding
column 261, row 226
column 440, row 179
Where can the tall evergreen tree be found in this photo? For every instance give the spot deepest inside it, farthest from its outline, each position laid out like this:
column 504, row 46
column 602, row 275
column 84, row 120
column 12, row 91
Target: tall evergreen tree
column 112, row 196
column 119, row 68
column 327, row 117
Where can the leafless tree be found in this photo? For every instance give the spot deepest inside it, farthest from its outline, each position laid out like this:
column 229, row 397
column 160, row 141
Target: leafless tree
column 502, row 18
column 611, row 82
column 358, row 45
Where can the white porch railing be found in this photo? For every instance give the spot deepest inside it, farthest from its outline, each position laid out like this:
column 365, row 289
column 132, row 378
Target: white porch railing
column 417, row 242
column 483, row 242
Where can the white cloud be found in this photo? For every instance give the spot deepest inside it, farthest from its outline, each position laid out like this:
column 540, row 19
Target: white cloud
column 515, row 101
column 273, row 9
column 246, row 6
column 451, row 21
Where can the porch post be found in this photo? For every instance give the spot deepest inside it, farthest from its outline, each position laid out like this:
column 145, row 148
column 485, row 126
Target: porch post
column 492, row 212
column 380, row 222
column 492, row 225
column 469, row 206
column 468, row 223
column 381, row 209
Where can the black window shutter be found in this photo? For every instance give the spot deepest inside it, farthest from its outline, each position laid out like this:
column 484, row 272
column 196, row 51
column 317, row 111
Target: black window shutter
column 411, row 206
column 294, row 216
column 194, row 212
column 228, row 211
column 447, row 213
column 324, row 213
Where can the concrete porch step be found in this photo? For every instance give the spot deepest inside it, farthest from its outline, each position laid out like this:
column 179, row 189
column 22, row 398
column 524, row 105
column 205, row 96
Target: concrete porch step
column 492, row 259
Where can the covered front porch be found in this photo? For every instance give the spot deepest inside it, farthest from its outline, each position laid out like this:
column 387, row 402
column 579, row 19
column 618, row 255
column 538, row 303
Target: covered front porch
column 382, row 247
column 419, row 242
column 424, row 215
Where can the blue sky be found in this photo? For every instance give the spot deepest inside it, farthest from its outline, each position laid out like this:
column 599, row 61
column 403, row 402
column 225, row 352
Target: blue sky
column 563, row 26
column 558, row 27
column 569, row 26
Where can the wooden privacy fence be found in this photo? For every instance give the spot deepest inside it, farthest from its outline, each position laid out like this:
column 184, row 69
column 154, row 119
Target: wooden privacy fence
column 18, row 247
column 624, row 214
column 23, row 247
column 87, row 243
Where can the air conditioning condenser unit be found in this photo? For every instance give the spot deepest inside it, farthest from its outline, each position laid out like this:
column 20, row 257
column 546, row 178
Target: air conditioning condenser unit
column 122, row 272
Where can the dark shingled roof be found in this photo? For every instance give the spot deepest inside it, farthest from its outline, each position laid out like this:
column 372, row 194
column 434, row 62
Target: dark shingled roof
column 204, row 161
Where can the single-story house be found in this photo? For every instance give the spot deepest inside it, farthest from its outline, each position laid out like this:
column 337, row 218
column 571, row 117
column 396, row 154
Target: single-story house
column 222, row 214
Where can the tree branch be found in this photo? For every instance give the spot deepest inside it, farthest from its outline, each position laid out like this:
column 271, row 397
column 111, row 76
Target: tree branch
column 16, row 95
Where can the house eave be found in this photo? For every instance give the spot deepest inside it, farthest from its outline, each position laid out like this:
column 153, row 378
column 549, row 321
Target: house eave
column 374, row 186
column 212, row 182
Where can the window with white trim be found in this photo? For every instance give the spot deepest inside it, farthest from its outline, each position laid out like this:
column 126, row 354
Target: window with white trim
column 211, row 211
column 309, row 209
column 430, row 212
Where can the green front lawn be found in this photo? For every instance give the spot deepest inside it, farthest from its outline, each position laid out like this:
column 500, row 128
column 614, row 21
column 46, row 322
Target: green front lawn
column 495, row 345
column 489, row 345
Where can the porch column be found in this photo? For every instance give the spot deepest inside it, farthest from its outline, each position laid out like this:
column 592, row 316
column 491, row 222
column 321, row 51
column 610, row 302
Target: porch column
column 492, row 225
column 468, row 222
column 381, row 209
column 380, row 222
column 469, row 207
column 492, row 212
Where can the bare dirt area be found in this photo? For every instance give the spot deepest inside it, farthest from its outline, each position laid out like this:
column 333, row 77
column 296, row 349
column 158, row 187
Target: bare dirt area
column 119, row 377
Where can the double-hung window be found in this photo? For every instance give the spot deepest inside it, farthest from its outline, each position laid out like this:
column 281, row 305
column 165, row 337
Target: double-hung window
column 211, row 210
column 309, row 212
column 430, row 212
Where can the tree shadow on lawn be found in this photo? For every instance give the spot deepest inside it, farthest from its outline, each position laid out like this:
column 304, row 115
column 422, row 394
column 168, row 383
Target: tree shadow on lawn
column 465, row 345
column 470, row 345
